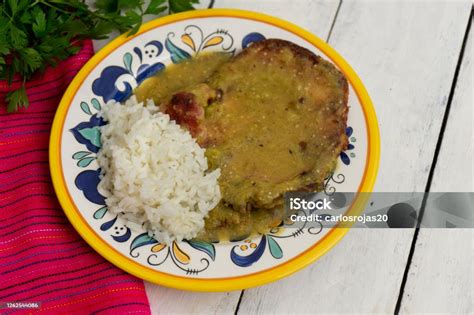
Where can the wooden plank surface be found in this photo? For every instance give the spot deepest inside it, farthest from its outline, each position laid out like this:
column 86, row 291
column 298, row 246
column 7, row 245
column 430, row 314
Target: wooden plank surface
column 316, row 16
column 441, row 275
column 406, row 53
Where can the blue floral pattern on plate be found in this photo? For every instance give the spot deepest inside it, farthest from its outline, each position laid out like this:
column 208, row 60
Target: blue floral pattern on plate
column 107, row 85
column 345, row 156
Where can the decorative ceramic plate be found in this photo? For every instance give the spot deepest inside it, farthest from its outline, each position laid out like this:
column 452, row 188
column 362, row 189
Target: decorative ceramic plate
column 113, row 73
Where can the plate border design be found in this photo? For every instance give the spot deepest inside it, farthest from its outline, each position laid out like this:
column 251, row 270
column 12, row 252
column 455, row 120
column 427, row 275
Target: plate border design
column 228, row 283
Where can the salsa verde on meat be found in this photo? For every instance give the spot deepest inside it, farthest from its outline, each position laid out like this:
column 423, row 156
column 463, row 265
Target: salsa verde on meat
column 272, row 118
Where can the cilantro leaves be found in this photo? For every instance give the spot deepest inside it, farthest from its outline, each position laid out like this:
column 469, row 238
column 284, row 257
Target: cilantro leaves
column 35, row 34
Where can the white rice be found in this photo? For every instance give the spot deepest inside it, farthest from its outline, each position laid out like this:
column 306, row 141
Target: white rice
column 154, row 173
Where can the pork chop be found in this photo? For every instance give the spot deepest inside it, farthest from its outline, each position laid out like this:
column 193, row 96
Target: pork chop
column 273, row 119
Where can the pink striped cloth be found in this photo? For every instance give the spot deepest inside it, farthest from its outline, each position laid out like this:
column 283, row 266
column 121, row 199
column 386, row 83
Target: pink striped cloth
column 42, row 259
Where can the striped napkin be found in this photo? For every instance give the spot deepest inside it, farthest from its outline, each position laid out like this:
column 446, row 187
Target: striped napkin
column 43, row 261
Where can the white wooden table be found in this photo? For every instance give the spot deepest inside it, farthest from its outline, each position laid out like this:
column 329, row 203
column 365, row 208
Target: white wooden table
column 415, row 58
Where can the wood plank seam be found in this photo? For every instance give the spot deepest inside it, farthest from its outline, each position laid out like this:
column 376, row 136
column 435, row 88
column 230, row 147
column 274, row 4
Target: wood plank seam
column 334, row 21
column 433, row 164
column 238, row 303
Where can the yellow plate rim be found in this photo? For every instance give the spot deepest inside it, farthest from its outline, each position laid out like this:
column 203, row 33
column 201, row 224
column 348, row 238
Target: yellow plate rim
column 221, row 284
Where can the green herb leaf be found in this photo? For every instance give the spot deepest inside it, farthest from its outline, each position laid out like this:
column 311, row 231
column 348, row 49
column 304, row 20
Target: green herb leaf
column 17, row 37
column 39, row 26
column 31, row 58
column 13, row 7
column 16, row 99
column 107, row 5
column 130, row 4
column 155, row 7
column 181, row 5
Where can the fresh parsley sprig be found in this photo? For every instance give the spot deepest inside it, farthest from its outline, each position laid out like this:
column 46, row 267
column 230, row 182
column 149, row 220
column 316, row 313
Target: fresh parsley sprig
column 35, row 34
